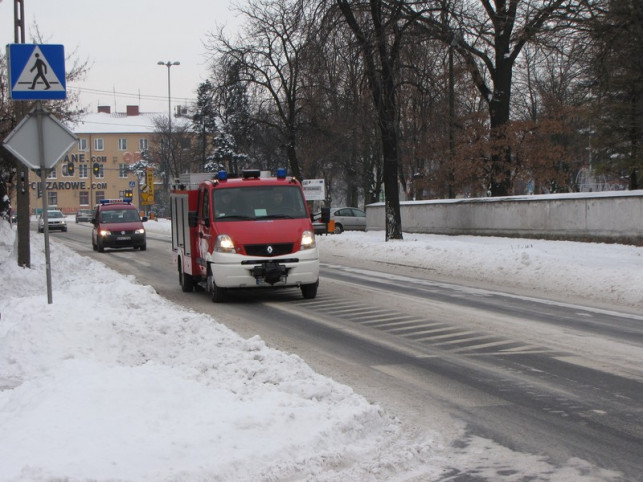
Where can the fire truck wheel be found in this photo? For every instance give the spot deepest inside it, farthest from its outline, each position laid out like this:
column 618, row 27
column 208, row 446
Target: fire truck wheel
column 218, row 294
column 309, row 291
column 186, row 280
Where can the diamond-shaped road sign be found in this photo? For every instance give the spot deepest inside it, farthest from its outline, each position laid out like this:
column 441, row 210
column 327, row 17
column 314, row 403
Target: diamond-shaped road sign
column 22, row 142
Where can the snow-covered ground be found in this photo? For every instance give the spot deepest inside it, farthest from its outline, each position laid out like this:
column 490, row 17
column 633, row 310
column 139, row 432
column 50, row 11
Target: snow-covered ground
column 113, row 382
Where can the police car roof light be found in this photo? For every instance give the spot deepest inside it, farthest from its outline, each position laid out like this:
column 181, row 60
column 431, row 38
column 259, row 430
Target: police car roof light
column 281, row 173
column 115, row 201
column 222, row 175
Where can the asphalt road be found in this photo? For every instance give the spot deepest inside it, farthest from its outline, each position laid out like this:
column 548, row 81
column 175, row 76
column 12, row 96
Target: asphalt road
column 536, row 376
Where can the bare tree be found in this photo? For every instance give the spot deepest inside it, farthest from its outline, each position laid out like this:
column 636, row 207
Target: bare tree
column 618, row 69
column 489, row 36
column 378, row 28
column 173, row 153
column 342, row 142
column 269, row 55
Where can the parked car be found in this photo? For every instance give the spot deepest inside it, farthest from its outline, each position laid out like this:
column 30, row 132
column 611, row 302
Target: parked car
column 84, row 215
column 55, row 221
column 346, row 219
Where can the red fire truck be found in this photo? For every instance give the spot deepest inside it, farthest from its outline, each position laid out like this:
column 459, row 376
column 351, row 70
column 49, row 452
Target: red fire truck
column 245, row 232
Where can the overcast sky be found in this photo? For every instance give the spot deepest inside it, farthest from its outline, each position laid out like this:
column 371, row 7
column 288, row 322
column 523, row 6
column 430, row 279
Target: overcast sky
column 123, row 40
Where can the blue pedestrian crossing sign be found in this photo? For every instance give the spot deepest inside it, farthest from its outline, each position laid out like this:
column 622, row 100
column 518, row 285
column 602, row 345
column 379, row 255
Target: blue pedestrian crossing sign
column 36, row 72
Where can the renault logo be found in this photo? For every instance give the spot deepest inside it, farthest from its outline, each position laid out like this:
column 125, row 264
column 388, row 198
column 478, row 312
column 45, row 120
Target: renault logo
column 269, row 249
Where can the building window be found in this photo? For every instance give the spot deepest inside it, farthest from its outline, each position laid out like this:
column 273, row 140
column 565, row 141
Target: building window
column 142, row 144
column 101, row 173
column 122, row 170
column 83, row 198
column 122, row 144
column 98, row 144
column 52, row 173
column 185, row 143
column 100, row 195
column 52, row 198
column 82, row 144
column 82, row 171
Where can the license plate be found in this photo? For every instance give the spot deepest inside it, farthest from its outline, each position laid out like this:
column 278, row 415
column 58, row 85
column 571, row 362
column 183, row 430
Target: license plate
column 123, row 238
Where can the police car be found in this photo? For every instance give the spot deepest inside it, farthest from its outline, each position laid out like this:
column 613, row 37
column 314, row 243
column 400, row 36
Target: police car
column 117, row 224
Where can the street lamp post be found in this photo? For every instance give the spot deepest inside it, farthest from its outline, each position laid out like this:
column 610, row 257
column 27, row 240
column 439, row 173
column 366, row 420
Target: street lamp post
column 169, row 64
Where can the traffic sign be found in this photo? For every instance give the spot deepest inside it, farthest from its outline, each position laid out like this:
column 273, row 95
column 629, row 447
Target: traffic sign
column 36, row 72
column 22, row 142
column 147, row 193
column 314, row 189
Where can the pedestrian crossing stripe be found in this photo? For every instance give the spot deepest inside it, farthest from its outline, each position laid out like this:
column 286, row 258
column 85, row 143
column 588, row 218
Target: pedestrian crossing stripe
column 40, row 69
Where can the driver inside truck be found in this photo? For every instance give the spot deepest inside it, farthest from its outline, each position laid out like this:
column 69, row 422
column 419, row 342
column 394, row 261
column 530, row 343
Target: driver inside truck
column 225, row 205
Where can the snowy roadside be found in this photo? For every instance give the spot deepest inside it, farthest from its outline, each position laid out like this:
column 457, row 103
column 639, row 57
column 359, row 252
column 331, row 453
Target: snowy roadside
column 113, row 382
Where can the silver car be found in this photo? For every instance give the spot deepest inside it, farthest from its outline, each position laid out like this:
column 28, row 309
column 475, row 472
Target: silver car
column 55, row 220
column 346, row 219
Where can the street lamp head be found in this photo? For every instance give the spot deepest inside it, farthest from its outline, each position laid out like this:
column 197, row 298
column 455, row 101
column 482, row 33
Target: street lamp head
column 169, row 63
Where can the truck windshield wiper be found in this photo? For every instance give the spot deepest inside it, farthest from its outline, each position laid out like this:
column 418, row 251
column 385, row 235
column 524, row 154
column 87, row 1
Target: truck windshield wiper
column 229, row 217
column 277, row 216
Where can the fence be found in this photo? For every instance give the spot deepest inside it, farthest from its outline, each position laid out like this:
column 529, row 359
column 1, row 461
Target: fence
column 612, row 216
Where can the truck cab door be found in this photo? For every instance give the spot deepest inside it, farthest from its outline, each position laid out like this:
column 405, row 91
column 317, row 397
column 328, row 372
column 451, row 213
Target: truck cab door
column 203, row 230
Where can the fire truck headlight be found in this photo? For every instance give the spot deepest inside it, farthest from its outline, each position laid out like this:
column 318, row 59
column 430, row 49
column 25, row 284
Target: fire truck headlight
column 224, row 244
column 307, row 240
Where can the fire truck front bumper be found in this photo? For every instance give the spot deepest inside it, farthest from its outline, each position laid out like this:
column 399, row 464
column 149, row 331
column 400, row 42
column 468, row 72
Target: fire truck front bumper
column 237, row 271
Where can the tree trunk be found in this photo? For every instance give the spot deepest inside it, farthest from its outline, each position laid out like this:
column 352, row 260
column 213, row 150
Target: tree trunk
column 390, row 158
column 500, row 169
column 380, row 59
column 291, row 153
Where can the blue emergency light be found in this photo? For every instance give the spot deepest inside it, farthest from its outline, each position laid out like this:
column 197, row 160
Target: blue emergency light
column 281, row 173
column 115, row 201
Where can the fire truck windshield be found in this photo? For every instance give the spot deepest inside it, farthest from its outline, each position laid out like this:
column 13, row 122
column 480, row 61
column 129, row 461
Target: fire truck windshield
column 243, row 203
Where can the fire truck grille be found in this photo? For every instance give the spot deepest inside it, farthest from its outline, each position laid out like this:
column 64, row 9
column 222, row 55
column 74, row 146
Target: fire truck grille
column 268, row 249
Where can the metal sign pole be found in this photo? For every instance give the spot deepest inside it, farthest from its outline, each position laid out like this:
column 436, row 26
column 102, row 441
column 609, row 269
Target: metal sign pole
column 43, row 187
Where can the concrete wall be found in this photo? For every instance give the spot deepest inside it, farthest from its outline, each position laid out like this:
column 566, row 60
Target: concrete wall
column 613, row 216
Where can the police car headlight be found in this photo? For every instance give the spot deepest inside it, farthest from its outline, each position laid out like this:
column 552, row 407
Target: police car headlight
column 139, row 231
column 224, row 244
column 105, row 232
column 307, row 240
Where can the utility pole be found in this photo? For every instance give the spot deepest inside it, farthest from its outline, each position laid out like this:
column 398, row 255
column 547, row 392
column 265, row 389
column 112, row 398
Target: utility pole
column 22, row 171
